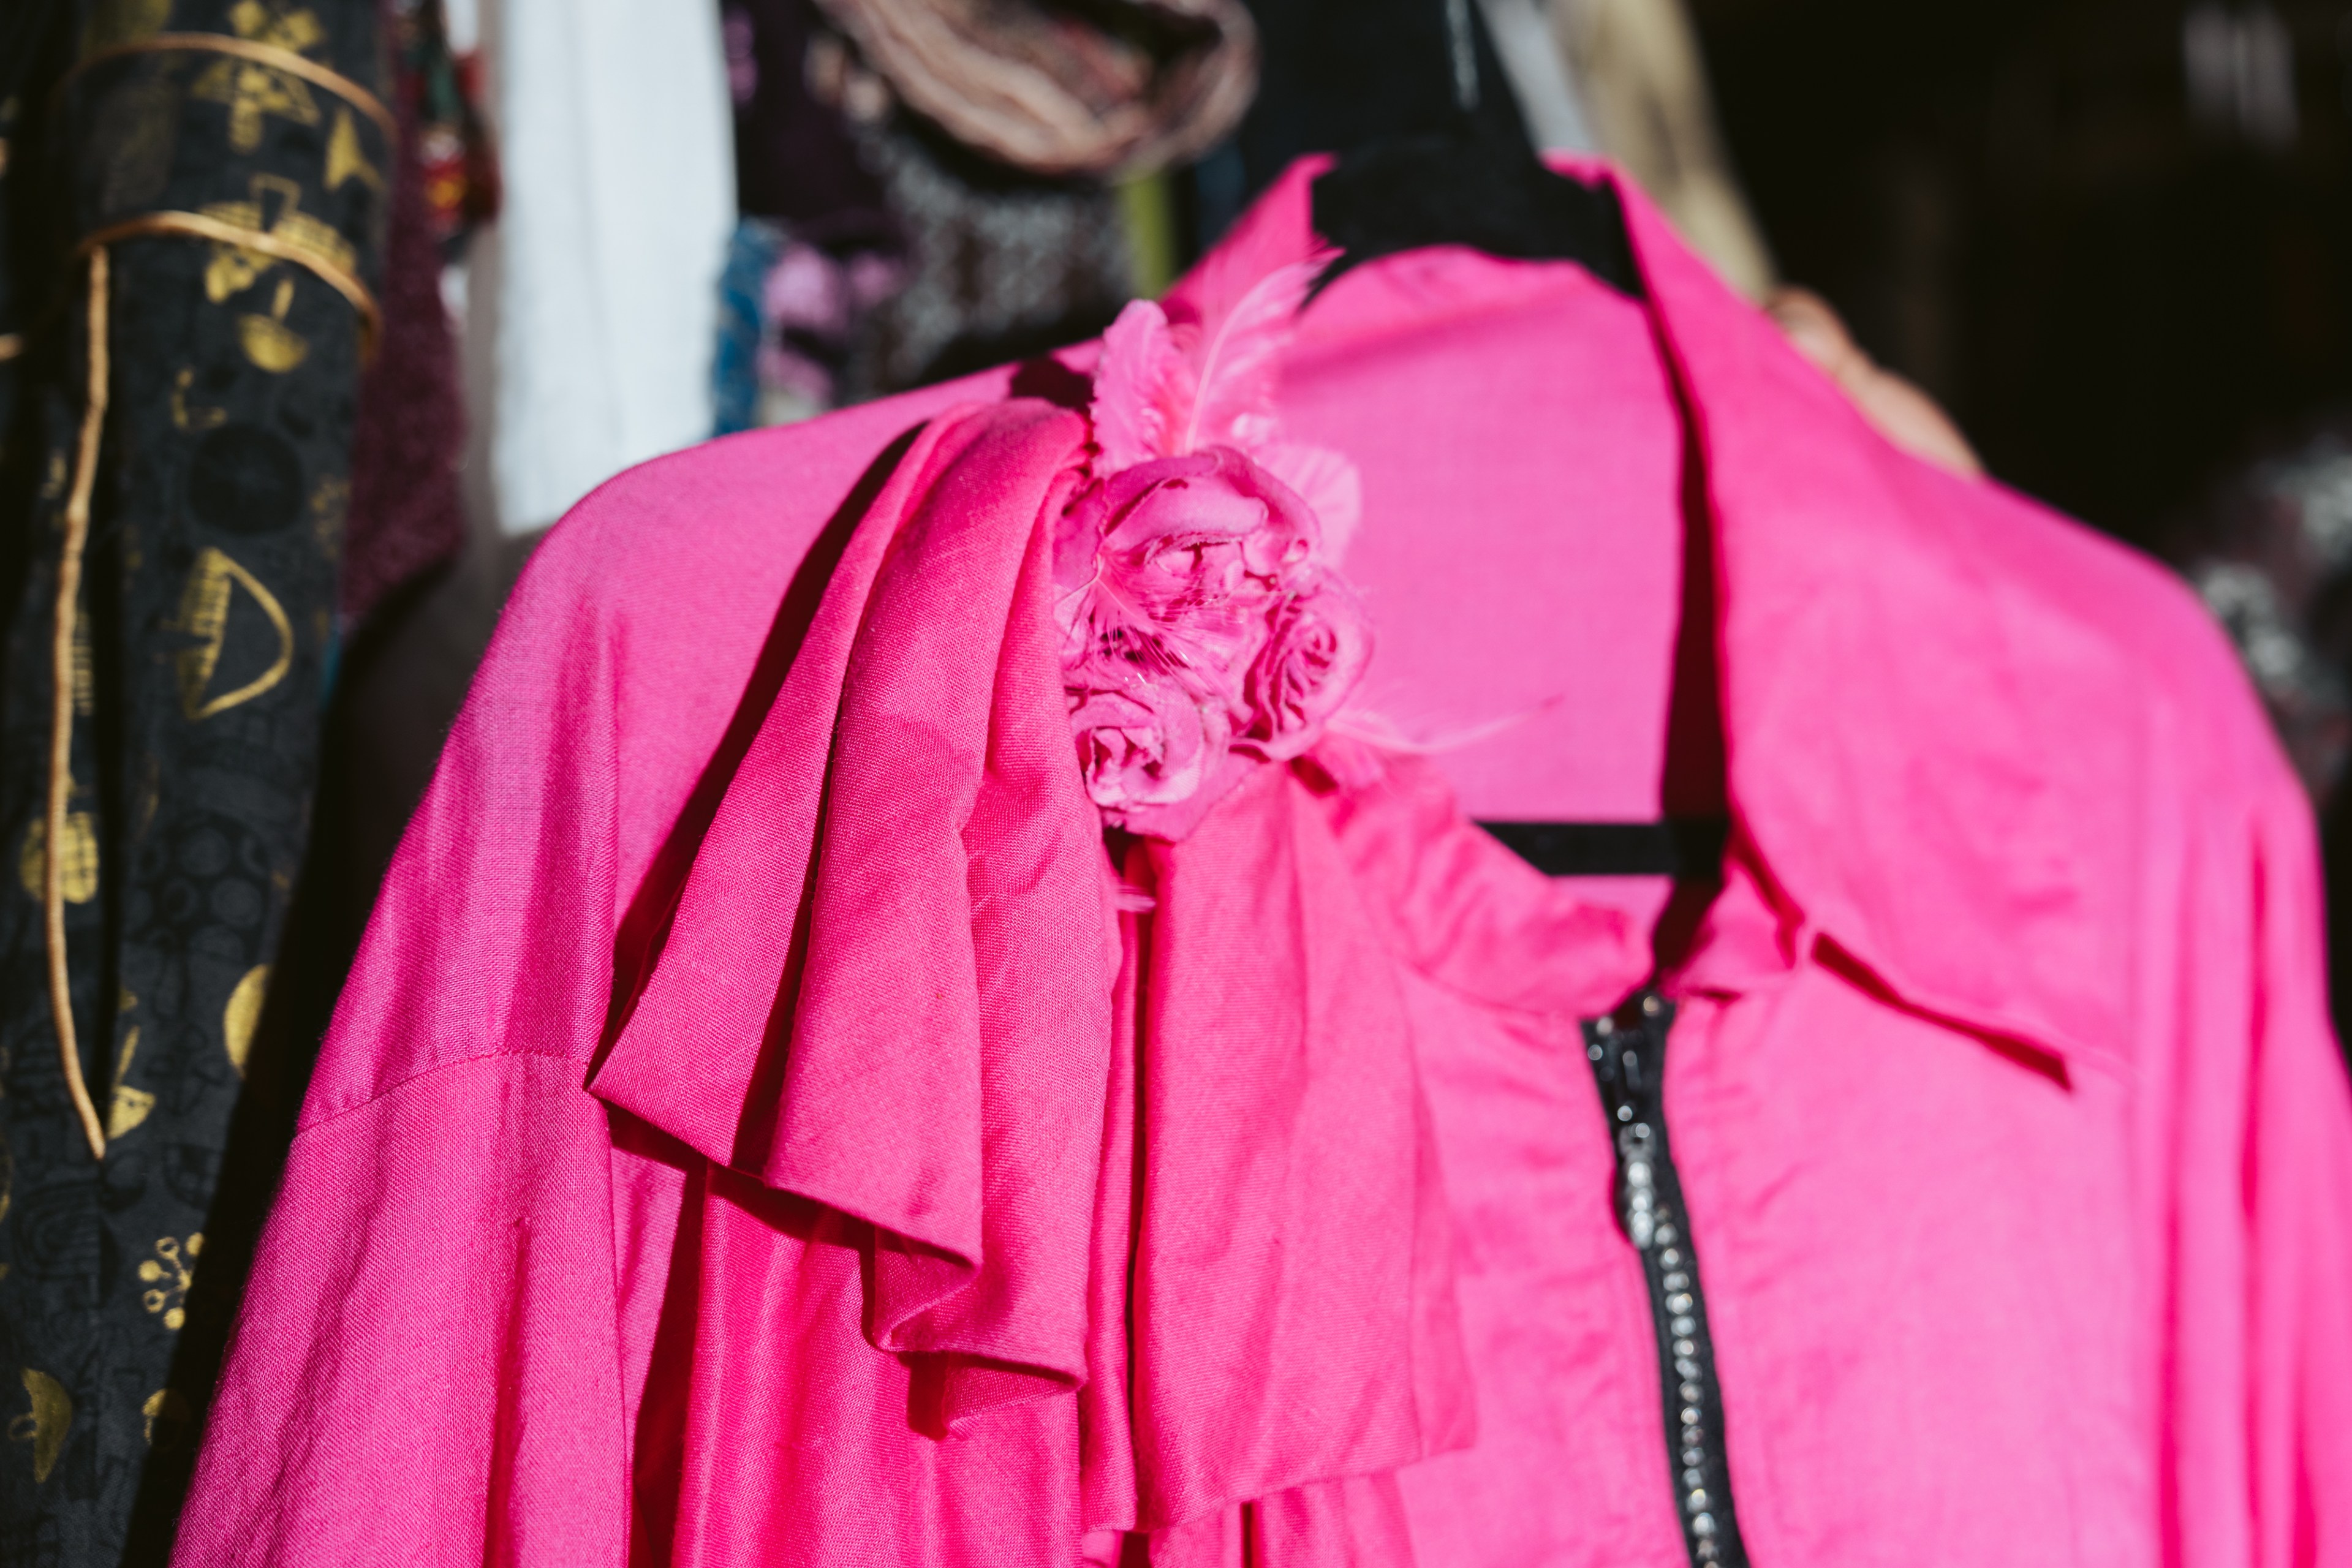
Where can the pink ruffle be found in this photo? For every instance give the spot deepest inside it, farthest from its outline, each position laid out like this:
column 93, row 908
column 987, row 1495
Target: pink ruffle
column 1162, row 1230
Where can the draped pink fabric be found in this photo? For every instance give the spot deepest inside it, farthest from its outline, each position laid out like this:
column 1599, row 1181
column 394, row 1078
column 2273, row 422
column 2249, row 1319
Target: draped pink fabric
column 763, row 1127
column 905, row 838
column 901, row 935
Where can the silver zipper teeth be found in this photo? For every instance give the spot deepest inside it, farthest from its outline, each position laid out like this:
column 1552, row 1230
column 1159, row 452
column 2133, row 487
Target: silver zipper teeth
column 1628, row 1053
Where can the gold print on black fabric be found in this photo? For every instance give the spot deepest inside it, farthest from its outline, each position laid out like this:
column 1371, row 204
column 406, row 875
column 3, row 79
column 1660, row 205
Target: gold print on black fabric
column 187, row 417
column 268, row 342
column 221, row 474
column 167, row 1416
column 234, row 268
column 243, row 1013
column 296, row 227
column 253, row 90
column 44, row 1426
column 131, row 1106
column 81, row 871
column 168, row 1275
column 345, row 161
column 204, row 606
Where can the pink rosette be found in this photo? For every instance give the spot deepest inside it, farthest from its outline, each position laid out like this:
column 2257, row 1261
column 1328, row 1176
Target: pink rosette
column 1313, row 658
column 1147, row 745
column 1177, row 561
column 1210, row 526
column 1154, row 756
column 1204, row 629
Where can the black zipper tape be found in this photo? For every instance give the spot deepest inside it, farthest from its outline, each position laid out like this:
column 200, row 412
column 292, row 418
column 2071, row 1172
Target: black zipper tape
column 1628, row 1052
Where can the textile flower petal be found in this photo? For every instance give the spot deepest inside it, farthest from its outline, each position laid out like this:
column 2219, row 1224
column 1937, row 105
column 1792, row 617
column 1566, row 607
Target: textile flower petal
column 1205, row 629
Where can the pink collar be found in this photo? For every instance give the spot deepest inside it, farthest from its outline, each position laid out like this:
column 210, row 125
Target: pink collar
column 1900, row 789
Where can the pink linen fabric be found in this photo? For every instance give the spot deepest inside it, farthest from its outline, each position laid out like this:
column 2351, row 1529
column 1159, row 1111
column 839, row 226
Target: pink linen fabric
column 2018, row 1161
column 907, row 860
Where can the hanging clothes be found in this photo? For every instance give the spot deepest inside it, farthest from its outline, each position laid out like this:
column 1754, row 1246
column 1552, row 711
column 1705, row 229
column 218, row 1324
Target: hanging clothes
column 816, row 247
column 1120, row 89
column 993, row 130
column 923, row 186
column 998, row 265
column 406, row 515
column 602, row 293
column 440, row 86
column 196, row 194
column 2017, row 920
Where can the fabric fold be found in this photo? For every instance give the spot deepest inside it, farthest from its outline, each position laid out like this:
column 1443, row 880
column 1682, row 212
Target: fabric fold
column 941, row 1080
column 1284, row 1205
column 1194, row 1166
column 930, row 1083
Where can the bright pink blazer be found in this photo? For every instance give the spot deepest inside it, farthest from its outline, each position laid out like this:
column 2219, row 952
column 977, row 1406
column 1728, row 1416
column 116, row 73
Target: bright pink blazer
column 2017, row 1151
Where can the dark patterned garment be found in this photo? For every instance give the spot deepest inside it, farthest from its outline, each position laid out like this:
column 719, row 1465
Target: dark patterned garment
column 201, row 645
column 407, row 517
column 998, row 265
column 439, row 94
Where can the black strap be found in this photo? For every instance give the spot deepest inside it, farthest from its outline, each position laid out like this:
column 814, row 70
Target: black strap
column 1685, row 848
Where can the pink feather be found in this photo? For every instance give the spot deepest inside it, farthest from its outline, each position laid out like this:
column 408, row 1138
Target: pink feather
column 1200, row 372
column 1138, row 360
column 1330, row 486
column 1234, row 355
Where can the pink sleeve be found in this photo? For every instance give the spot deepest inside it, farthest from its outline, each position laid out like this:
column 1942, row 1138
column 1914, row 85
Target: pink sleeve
column 427, row 1367
column 441, row 1355
column 424, row 1369
column 2298, row 1203
column 2247, row 1133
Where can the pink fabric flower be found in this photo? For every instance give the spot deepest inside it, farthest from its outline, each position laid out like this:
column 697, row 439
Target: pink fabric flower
column 1147, row 753
column 1190, row 551
column 1204, row 627
column 1199, row 620
column 1311, row 661
column 1209, row 524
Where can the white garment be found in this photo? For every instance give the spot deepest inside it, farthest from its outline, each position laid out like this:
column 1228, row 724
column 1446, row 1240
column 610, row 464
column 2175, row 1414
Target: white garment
column 461, row 24
column 615, row 140
column 1522, row 32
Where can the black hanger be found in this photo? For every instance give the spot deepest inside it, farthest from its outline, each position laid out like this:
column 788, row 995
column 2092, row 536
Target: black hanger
column 1477, row 182
column 1410, row 191
column 1684, row 848
column 1472, row 178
